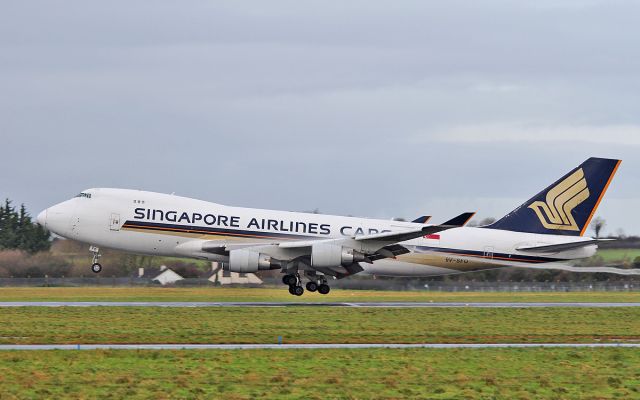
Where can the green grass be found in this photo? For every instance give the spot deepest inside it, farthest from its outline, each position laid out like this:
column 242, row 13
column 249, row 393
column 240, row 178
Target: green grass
column 69, row 325
column 323, row 374
column 613, row 255
column 281, row 294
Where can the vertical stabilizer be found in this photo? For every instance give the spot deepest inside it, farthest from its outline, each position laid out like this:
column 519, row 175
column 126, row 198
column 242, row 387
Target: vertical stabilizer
column 567, row 206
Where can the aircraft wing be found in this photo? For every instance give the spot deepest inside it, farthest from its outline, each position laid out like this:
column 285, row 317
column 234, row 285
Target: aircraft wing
column 387, row 237
column 556, row 248
column 367, row 248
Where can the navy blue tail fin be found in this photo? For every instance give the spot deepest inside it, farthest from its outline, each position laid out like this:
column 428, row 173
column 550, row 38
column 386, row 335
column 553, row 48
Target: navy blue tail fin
column 567, row 206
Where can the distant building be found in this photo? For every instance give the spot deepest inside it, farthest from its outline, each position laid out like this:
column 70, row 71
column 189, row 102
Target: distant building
column 221, row 277
column 162, row 275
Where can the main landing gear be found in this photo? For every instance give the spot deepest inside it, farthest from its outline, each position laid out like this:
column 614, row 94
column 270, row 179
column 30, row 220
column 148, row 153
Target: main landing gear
column 295, row 285
column 95, row 265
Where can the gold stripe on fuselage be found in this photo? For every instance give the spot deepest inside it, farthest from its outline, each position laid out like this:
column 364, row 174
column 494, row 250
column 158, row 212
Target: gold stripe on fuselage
column 450, row 261
column 443, row 260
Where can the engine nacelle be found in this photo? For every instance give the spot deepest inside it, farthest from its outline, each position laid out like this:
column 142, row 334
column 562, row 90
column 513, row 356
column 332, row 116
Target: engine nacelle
column 249, row 261
column 328, row 255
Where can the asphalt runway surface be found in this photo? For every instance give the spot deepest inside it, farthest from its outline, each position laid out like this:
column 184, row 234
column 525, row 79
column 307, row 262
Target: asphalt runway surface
column 300, row 304
column 307, row 346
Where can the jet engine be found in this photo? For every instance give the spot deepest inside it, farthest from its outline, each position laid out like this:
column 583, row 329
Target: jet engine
column 329, row 255
column 243, row 261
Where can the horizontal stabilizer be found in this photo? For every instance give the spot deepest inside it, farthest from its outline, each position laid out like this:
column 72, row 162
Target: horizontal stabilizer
column 422, row 220
column 460, row 220
column 555, row 248
column 605, row 270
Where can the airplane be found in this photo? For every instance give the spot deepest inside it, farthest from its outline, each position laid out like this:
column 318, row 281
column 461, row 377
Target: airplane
column 547, row 230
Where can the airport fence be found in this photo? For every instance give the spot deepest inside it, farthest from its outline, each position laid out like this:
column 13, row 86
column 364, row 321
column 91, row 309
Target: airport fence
column 356, row 284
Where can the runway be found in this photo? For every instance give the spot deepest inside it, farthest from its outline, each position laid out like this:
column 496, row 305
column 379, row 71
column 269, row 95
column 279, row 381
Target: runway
column 307, row 346
column 301, row 304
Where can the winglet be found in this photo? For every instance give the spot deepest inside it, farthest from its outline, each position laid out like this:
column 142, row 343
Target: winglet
column 422, row 219
column 460, row 220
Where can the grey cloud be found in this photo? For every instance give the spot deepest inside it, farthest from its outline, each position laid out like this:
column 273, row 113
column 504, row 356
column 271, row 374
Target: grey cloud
column 366, row 108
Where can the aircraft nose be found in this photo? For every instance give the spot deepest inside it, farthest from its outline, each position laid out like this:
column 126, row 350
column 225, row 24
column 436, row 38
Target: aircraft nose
column 42, row 218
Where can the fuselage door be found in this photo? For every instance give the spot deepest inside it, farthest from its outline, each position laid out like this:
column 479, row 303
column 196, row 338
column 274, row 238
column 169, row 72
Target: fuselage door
column 114, row 222
column 488, row 252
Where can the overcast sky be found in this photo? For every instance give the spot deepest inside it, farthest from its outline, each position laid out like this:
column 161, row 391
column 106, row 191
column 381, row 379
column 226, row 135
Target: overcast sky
column 379, row 109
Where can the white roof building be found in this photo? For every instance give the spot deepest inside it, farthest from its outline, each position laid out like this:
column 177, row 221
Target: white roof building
column 164, row 276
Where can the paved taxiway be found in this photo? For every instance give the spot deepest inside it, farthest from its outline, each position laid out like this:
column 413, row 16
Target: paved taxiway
column 294, row 304
column 304, row 346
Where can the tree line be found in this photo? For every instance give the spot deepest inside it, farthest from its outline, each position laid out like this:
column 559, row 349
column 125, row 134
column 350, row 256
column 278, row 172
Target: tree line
column 19, row 232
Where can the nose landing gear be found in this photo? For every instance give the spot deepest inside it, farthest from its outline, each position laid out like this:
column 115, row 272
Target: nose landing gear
column 96, row 267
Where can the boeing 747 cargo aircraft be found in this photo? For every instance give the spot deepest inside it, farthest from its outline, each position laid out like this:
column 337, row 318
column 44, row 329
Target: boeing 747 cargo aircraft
column 545, row 231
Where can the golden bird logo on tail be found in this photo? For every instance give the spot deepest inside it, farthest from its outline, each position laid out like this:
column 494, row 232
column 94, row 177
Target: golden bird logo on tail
column 561, row 200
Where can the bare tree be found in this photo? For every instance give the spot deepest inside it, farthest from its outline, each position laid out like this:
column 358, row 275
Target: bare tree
column 483, row 222
column 597, row 225
column 487, row 221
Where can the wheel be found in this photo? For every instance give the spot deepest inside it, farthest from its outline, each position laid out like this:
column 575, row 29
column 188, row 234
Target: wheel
column 298, row 290
column 292, row 289
column 312, row 286
column 96, row 268
column 324, row 289
column 290, row 280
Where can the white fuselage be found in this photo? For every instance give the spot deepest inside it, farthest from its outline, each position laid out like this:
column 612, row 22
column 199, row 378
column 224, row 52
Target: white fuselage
column 167, row 225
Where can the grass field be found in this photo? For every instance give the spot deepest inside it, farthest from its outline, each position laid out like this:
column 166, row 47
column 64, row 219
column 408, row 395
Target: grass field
column 558, row 373
column 612, row 255
column 69, row 325
column 281, row 294
column 323, row 374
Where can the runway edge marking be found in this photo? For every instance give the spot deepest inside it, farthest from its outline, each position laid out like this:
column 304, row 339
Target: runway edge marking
column 33, row 347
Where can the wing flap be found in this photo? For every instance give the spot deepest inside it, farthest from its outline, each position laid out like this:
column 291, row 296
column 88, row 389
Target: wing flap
column 555, row 248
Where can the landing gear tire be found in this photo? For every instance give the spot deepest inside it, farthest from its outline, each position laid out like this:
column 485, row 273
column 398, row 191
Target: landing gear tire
column 324, row 289
column 298, row 290
column 96, row 268
column 312, row 286
column 290, row 280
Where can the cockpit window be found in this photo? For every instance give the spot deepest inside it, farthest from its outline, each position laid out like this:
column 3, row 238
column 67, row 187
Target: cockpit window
column 85, row 195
